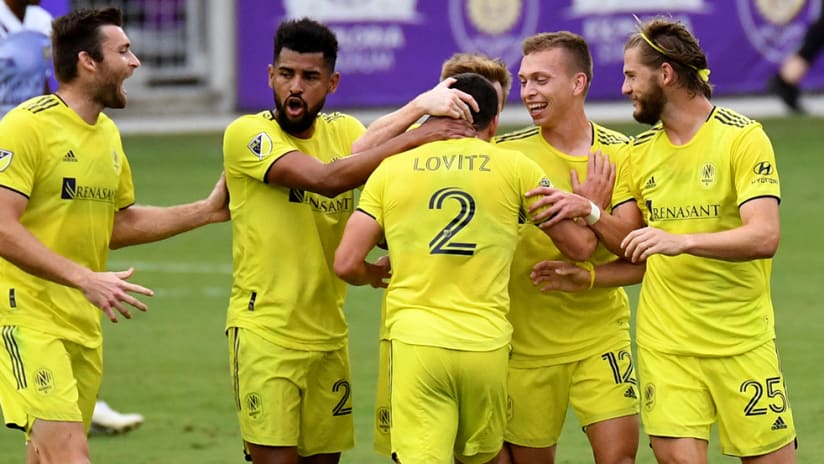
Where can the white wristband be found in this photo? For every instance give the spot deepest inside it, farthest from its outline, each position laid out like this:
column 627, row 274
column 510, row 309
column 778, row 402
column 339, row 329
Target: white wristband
column 594, row 214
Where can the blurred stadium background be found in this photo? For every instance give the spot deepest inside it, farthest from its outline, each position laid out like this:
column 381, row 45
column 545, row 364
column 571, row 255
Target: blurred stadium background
column 204, row 62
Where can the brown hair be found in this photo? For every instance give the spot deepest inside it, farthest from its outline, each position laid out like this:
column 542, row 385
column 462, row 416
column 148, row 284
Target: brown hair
column 680, row 49
column 493, row 69
column 79, row 31
column 573, row 43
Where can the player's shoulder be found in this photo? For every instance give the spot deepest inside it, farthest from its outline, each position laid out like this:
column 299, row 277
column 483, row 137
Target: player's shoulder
column 337, row 120
column 41, row 106
column 607, row 136
column 519, row 135
column 731, row 119
column 255, row 121
column 649, row 135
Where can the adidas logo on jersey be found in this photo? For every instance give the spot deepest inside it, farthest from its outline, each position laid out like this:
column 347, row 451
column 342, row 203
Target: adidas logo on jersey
column 70, row 157
column 650, row 183
column 779, row 424
column 630, row 393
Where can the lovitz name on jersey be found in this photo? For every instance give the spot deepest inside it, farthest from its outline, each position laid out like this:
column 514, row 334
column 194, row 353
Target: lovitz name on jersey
column 452, row 163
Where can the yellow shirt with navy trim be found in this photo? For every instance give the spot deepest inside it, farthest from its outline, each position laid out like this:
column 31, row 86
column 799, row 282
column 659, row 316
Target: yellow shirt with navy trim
column 76, row 177
column 691, row 305
column 560, row 327
column 284, row 239
column 450, row 212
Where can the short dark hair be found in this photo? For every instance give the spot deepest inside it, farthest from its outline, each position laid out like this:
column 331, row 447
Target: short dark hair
column 307, row 36
column 484, row 94
column 79, row 31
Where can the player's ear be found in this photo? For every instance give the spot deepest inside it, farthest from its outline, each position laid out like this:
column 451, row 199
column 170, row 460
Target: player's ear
column 334, row 80
column 85, row 61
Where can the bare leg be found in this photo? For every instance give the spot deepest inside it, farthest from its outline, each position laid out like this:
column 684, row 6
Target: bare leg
column 785, row 455
column 525, row 455
column 679, row 450
column 614, row 441
column 54, row 442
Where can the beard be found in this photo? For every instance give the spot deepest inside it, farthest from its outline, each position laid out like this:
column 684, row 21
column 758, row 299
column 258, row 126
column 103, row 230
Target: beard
column 110, row 96
column 301, row 124
column 650, row 106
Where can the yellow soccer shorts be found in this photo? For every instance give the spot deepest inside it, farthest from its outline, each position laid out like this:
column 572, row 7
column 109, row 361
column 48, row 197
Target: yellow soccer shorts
column 683, row 395
column 599, row 388
column 45, row 378
column 287, row 397
column 383, row 414
column 447, row 404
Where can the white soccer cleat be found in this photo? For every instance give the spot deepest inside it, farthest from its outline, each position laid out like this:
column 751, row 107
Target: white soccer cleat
column 106, row 420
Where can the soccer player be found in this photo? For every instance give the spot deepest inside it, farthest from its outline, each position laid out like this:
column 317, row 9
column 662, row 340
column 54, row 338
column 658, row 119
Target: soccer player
column 567, row 348
column 704, row 182
column 451, row 232
column 25, row 28
column 67, row 197
column 290, row 178
column 435, row 102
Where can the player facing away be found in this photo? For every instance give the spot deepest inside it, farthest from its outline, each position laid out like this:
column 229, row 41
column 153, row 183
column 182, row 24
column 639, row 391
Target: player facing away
column 451, row 232
column 704, row 182
column 66, row 198
column 290, row 175
column 441, row 100
column 568, row 349
column 24, row 52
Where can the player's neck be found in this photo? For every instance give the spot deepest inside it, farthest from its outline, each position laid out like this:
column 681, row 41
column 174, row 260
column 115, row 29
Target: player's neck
column 80, row 102
column 684, row 116
column 570, row 134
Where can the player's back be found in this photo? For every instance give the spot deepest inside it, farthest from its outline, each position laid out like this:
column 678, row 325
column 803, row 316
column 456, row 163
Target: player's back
column 452, row 228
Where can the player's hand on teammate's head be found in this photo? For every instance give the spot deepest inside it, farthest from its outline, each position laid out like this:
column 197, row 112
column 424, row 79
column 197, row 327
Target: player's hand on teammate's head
column 434, row 129
column 442, row 100
column 110, row 290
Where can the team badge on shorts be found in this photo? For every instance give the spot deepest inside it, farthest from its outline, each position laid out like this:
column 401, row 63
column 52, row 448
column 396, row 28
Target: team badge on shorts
column 44, row 380
column 383, row 417
column 649, row 396
column 254, row 405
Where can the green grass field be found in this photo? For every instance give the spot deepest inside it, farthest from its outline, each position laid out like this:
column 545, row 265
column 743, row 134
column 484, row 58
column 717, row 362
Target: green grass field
column 171, row 363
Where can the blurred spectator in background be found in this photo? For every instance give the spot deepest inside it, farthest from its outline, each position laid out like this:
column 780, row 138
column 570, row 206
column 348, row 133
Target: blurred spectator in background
column 796, row 66
column 24, row 52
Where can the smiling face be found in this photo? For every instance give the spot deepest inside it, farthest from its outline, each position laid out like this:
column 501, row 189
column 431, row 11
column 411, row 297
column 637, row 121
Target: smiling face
column 118, row 64
column 300, row 82
column 548, row 86
column 642, row 87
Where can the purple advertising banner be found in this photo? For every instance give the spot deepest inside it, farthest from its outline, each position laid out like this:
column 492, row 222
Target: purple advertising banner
column 391, row 50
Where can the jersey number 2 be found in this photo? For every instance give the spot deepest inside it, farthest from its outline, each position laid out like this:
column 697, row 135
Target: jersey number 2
column 444, row 242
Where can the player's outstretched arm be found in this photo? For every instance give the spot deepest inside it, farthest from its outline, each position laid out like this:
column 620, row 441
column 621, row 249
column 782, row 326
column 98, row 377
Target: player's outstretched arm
column 144, row 224
column 568, row 277
column 106, row 290
column 438, row 101
column 362, row 233
column 299, row 170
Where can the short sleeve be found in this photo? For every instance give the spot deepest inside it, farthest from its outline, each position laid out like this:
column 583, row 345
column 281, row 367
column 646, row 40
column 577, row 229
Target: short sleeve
column 20, row 153
column 251, row 144
column 754, row 167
